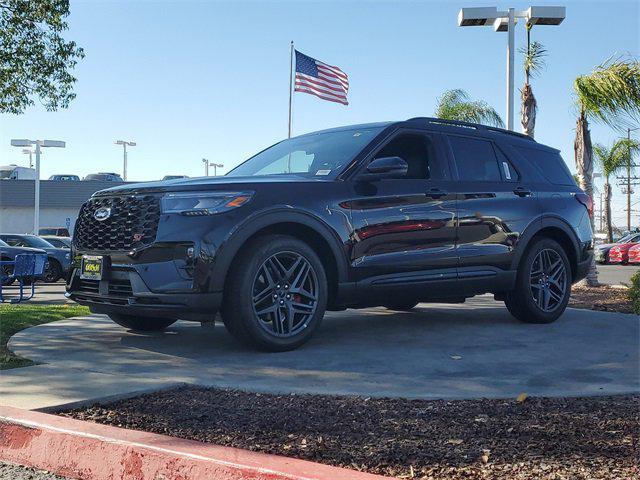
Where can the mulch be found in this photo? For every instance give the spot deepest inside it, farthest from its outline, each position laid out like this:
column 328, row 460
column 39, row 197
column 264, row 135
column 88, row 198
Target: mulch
column 534, row 438
column 603, row 298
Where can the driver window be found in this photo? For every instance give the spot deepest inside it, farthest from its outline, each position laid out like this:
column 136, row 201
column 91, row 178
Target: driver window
column 415, row 149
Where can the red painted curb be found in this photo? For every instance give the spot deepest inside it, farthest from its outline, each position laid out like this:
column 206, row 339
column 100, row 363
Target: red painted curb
column 99, row 452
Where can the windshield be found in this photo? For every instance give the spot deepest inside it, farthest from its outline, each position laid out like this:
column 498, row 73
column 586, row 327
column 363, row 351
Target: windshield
column 37, row 242
column 3, row 244
column 6, row 173
column 322, row 154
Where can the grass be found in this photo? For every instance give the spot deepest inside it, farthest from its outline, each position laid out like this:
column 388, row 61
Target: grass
column 14, row 318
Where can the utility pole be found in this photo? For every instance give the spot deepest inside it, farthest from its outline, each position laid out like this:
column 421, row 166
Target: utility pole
column 601, row 212
column 629, row 181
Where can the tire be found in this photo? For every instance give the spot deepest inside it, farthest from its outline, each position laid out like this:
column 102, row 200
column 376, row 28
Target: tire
column 545, row 268
column 7, row 272
column 276, row 294
column 52, row 272
column 142, row 324
column 401, row 307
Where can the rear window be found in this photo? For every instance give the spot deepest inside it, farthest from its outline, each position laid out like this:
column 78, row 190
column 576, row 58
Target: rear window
column 476, row 160
column 550, row 164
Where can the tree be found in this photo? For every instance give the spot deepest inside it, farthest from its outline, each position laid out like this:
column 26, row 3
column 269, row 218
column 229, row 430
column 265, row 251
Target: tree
column 611, row 95
column 611, row 160
column 35, row 60
column 533, row 63
column 456, row 105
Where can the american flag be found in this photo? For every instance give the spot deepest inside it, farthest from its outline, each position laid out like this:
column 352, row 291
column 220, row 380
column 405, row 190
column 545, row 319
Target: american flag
column 319, row 79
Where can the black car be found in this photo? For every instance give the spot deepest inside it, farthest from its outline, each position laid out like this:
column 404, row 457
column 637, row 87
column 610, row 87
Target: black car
column 8, row 254
column 387, row 214
column 59, row 263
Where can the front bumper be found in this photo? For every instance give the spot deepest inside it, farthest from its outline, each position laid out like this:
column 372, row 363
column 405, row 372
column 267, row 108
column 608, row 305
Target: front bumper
column 124, row 292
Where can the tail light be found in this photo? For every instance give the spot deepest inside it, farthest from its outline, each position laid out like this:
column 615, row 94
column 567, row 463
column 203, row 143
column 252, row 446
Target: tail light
column 587, row 201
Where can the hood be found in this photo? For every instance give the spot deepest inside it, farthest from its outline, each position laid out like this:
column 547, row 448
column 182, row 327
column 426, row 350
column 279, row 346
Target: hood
column 17, row 250
column 209, row 183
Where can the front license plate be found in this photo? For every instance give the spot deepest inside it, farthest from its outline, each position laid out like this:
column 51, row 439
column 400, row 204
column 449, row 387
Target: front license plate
column 91, row 267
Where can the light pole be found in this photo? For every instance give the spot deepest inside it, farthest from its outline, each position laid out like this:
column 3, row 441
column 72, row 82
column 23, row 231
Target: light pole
column 39, row 144
column 124, row 144
column 505, row 21
column 215, row 168
column 206, row 167
column 30, row 153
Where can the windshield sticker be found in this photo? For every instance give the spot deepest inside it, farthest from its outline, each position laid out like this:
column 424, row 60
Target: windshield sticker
column 323, row 172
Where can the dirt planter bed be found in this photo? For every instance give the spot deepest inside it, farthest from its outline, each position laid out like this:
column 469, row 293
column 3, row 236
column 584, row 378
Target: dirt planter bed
column 539, row 438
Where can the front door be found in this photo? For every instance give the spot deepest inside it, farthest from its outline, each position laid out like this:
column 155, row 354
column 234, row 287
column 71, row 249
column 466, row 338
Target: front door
column 405, row 228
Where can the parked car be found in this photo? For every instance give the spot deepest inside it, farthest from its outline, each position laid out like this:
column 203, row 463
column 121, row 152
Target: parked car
column 104, row 177
column 65, row 178
column 620, row 253
column 59, row 262
column 8, row 254
column 174, row 177
column 14, row 172
column 634, row 254
column 54, row 231
column 58, row 242
column 602, row 251
column 385, row 214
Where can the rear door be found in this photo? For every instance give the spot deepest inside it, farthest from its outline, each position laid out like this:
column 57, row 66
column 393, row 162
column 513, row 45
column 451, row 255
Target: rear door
column 495, row 205
column 404, row 229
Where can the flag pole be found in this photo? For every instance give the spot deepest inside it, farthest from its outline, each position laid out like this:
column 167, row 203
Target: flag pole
column 290, row 87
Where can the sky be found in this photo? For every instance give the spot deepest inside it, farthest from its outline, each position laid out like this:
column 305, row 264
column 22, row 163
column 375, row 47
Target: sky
column 191, row 80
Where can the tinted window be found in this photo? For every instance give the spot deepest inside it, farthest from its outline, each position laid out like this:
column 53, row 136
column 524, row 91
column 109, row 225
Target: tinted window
column 476, row 159
column 415, row 149
column 509, row 174
column 550, row 164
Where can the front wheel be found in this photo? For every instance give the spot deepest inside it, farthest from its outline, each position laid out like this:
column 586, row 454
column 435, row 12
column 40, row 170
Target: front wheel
column 543, row 284
column 276, row 294
column 142, row 324
column 52, row 272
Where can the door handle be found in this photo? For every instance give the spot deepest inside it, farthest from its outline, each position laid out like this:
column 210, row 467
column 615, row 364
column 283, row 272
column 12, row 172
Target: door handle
column 522, row 192
column 436, row 193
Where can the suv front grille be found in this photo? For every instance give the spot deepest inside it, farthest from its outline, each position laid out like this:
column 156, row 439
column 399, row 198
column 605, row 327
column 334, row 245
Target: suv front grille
column 132, row 223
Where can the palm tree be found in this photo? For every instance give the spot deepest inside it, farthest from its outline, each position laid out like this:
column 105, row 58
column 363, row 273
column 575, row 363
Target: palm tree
column 456, row 105
column 611, row 95
column 533, row 63
column 611, row 160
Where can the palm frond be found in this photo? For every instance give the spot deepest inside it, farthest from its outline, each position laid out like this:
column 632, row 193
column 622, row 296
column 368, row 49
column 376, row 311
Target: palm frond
column 534, row 62
column 611, row 93
column 613, row 159
column 456, row 105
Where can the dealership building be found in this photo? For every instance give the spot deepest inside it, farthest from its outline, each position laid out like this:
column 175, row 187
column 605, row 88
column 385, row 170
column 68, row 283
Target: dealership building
column 60, row 203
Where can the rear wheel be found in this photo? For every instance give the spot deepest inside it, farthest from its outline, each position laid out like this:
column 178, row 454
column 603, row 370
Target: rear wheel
column 276, row 294
column 401, row 307
column 543, row 284
column 142, row 324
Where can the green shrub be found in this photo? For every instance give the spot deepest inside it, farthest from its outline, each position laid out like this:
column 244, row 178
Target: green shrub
column 634, row 292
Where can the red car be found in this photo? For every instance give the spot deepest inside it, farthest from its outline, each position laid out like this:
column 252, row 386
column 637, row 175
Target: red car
column 620, row 253
column 634, row 254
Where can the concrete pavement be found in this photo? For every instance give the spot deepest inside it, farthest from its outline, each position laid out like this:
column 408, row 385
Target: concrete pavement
column 437, row 351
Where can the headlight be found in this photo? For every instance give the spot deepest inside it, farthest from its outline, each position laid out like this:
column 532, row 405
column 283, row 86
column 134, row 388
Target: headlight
column 67, row 256
column 203, row 203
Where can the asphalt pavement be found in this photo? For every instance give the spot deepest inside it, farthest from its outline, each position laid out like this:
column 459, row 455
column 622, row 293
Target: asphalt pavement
column 8, row 471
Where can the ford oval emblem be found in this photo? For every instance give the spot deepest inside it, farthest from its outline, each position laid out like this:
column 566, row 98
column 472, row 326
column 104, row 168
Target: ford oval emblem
column 102, row 213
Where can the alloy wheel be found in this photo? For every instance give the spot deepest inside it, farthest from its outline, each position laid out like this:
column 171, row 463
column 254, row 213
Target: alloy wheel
column 285, row 294
column 548, row 280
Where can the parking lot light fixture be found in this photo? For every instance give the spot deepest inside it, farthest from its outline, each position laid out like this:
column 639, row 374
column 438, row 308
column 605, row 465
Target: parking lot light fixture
column 39, row 144
column 505, row 21
column 215, row 168
column 124, row 144
column 28, row 151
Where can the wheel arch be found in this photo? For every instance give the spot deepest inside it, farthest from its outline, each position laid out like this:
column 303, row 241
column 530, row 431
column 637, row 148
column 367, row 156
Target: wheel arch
column 556, row 229
column 301, row 225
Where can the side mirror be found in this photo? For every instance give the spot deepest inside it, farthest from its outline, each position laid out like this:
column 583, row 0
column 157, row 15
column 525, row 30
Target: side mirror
column 385, row 167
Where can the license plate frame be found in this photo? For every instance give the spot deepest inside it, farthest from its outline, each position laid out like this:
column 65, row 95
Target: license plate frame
column 96, row 271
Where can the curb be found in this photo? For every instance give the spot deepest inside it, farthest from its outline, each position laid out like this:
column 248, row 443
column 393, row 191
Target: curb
column 92, row 451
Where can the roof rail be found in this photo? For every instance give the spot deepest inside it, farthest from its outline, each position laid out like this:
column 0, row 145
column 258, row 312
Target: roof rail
column 460, row 123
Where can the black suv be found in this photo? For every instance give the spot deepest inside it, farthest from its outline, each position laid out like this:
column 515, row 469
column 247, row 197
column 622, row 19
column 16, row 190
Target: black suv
column 390, row 214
